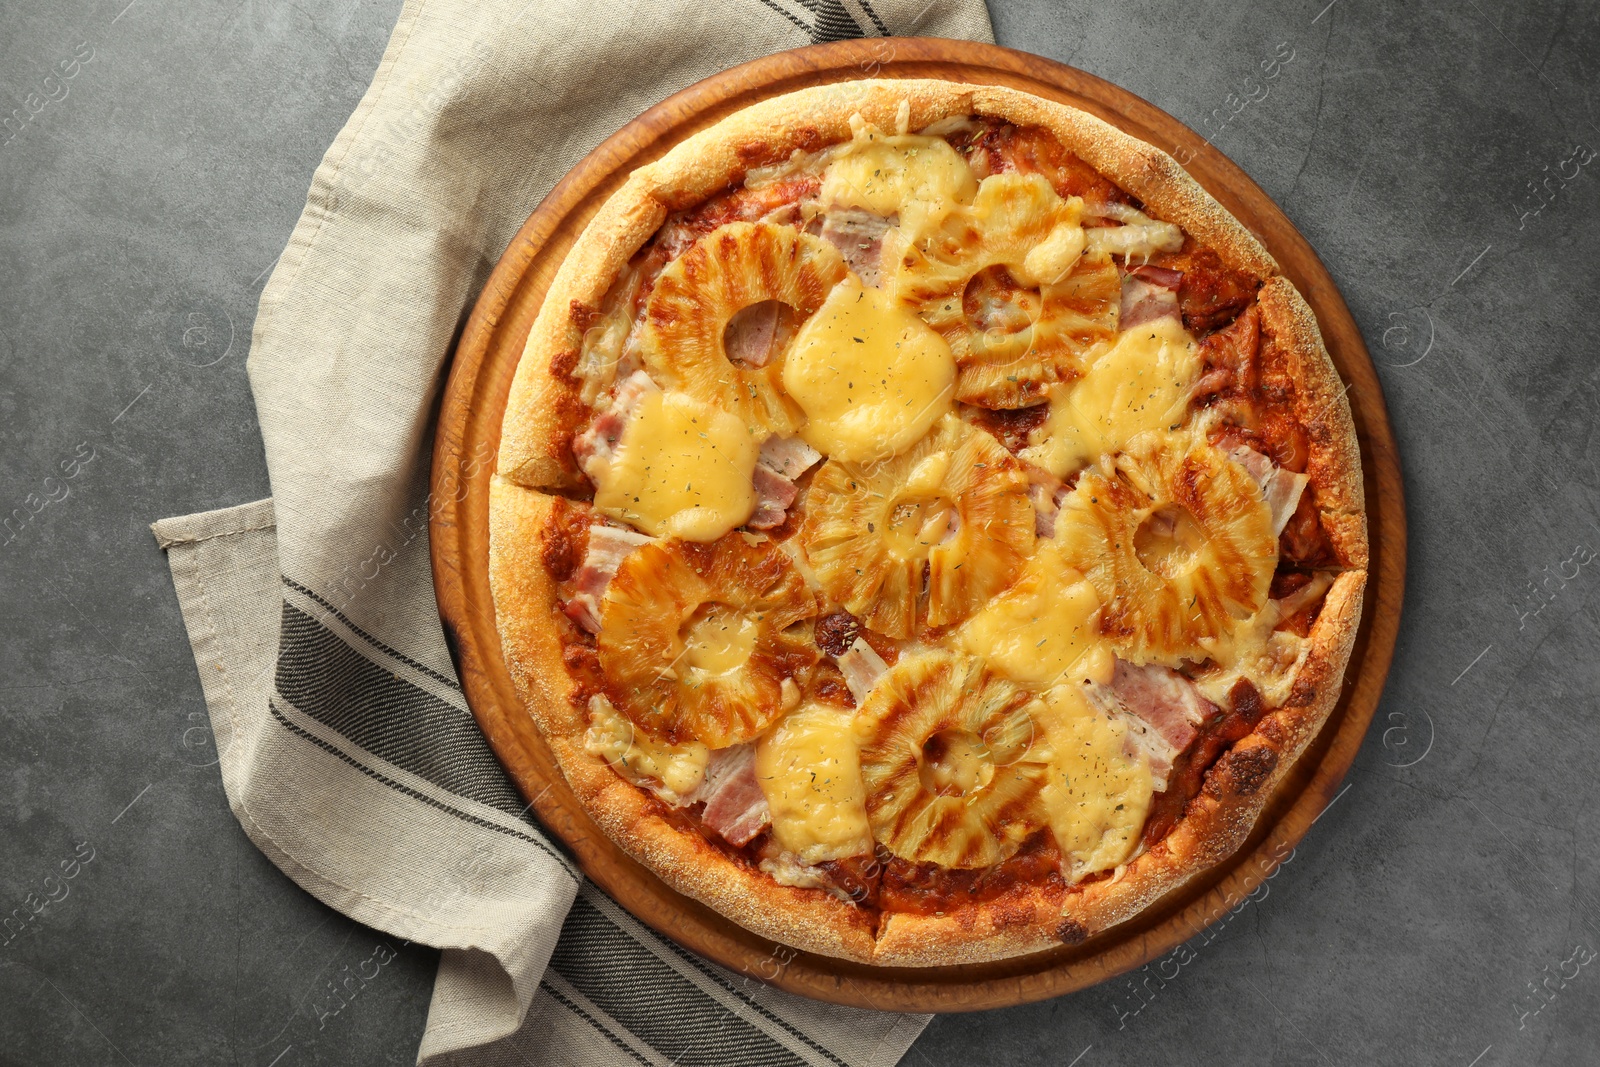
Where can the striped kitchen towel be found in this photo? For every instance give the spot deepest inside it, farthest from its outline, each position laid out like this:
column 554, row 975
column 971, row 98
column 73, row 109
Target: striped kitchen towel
column 346, row 746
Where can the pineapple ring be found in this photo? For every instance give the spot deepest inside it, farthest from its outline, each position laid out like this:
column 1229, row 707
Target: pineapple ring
column 693, row 638
column 1167, row 596
column 729, row 269
column 956, row 500
column 964, row 282
column 954, row 764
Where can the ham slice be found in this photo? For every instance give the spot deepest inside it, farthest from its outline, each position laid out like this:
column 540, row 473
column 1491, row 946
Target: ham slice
column 862, row 667
column 774, row 494
column 1144, row 741
column 753, row 336
column 1147, row 296
column 1165, row 277
column 1230, row 357
column 1046, row 492
column 1162, row 698
column 1163, row 709
column 608, row 547
column 1305, row 596
column 1212, row 382
column 858, row 235
column 782, row 460
column 735, row 806
column 1281, row 488
column 788, row 456
column 595, row 446
column 1139, row 235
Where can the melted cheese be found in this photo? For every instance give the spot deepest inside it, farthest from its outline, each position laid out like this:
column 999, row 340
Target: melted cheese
column 679, row 769
column 1015, row 220
column 870, row 376
column 917, row 178
column 1051, row 259
column 719, row 639
column 961, row 764
column 1098, row 792
column 1139, row 236
column 785, row 871
column 1045, row 629
column 1254, row 649
column 809, row 768
column 1009, row 213
column 682, row 469
column 1142, row 383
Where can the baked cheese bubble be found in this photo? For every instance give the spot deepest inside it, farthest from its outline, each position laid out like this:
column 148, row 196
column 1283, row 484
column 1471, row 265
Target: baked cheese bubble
column 1141, row 383
column 871, row 376
column 682, row 469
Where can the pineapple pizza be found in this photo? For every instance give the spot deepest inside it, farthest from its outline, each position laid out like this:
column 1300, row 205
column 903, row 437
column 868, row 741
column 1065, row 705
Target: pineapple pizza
column 927, row 526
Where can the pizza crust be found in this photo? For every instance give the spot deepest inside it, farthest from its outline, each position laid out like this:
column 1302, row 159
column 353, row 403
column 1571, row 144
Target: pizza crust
column 543, row 405
column 535, row 455
column 1290, row 335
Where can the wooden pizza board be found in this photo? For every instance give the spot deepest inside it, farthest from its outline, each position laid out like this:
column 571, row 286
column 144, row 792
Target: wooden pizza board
column 469, row 432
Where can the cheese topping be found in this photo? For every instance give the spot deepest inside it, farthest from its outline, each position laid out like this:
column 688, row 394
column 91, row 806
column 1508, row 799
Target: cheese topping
column 873, row 371
column 1042, row 230
column 956, row 762
column 810, row 770
column 719, row 639
column 1015, row 220
column 1049, row 261
column 1045, row 629
column 1097, row 794
column 1254, row 649
column 678, row 768
column 917, row 178
column 1139, row 236
column 1142, row 383
column 870, row 376
column 682, row 469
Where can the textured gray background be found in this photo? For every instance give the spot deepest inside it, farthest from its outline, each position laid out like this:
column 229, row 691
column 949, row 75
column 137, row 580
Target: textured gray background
column 1431, row 152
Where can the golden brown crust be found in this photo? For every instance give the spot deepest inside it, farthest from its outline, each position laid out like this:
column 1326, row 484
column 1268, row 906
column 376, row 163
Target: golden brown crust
column 535, row 453
column 543, row 407
column 520, row 526
column 1322, row 407
column 1013, row 924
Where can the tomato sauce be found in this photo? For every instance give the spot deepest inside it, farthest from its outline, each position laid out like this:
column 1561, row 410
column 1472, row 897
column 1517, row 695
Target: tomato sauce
column 1188, row 772
column 926, row 888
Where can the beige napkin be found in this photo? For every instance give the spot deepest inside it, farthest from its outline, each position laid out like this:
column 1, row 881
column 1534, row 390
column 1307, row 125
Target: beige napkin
column 347, row 749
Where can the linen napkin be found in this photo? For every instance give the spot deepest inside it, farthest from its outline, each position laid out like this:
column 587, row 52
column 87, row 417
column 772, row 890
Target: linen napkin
column 347, row 749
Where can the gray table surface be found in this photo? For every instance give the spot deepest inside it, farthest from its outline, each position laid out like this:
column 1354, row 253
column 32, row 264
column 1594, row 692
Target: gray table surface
column 1437, row 155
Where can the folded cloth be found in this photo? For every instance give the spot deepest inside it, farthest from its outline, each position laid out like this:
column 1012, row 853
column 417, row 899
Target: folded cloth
column 345, row 743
